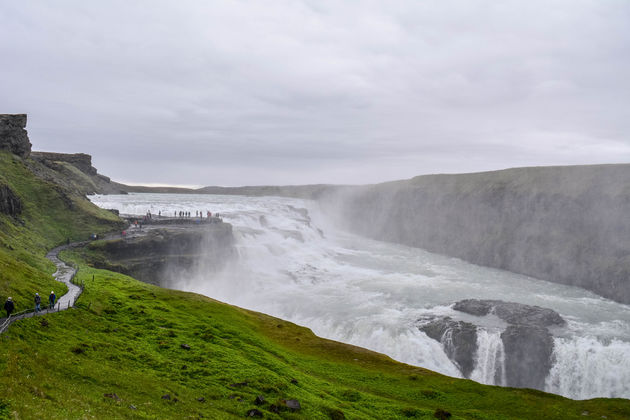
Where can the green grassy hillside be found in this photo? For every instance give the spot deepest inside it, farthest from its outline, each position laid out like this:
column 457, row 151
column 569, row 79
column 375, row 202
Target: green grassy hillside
column 50, row 215
column 133, row 350
column 126, row 338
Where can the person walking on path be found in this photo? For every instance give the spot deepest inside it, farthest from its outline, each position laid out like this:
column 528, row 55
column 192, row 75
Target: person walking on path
column 38, row 302
column 51, row 300
column 9, row 306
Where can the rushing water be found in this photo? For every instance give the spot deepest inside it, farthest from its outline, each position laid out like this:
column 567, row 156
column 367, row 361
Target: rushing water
column 294, row 265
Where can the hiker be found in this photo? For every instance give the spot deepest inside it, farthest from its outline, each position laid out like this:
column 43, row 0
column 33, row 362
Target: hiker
column 9, row 306
column 38, row 302
column 160, row 213
column 51, row 300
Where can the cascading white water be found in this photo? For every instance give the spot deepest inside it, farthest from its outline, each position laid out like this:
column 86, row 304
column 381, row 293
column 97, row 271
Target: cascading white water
column 586, row 367
column 490, row 363
column 294, row 265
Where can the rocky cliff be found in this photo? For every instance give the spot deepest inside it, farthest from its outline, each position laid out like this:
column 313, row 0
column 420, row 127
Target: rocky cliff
column 165, row 254
column 13, row 136
column 568, row 225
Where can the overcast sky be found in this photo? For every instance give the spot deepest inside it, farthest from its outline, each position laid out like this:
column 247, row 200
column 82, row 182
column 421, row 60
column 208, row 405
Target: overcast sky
column 293, row 92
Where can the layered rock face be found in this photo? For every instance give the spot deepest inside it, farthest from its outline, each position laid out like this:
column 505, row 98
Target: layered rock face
column 527, row 342
column 13, row 136
column 567, row 225
column 165, row 255
column 9, row 202
column 80, row 160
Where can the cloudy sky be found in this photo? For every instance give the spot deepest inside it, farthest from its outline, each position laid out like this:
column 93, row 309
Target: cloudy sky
column 316, row 91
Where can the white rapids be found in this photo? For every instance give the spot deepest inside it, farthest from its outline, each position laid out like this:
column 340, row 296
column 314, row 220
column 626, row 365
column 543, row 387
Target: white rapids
column 293, row 264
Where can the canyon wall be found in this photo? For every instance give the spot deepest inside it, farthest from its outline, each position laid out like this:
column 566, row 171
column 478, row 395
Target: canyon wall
column 568, row 225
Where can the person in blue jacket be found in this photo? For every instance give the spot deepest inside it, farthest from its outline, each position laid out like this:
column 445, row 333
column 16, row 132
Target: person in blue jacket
column 51, row 300
column 9, row 306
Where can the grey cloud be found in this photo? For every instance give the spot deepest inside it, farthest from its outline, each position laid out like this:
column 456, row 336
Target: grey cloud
column 253, row 92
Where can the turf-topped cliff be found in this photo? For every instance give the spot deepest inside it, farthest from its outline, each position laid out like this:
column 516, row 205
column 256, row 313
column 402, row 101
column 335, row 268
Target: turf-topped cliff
column 567, row 224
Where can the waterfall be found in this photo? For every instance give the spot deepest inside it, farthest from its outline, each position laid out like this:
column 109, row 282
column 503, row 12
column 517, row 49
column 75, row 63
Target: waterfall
column 372, row 293
column 584, row 368
column 490, row 361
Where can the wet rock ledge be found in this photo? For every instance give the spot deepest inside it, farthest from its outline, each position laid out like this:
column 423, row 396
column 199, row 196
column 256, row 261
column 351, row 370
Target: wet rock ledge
column 527, row 342
column 164, row 252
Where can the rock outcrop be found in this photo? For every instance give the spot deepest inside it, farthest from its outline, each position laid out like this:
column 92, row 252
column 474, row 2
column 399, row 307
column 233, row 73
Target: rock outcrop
column 458, row 338
column 163, row 255
column 511, row 312
column 528, row 350
column 9, row 202
column 568, row 225
column 527, row 342
column 74, row 172
column 81, row 161
column 13, row 136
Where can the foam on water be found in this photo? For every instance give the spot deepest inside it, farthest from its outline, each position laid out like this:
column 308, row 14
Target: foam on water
column 295, row 265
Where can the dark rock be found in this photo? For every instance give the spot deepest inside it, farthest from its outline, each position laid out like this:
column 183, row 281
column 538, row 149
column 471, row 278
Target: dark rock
column 133, row 407
column 185, row 346
column 239, row 384
column 113, row 396
column 260, row 400
column 511, row 312
column 458, row 338
column 201, row 399
column 335, row 414
column 13, row 136
column 528, row 350
column 153, row 255
column 442, row 414
column 473, row 306
column 254, row 413
column 166, row 396
column 293, row 405
column 9, row 202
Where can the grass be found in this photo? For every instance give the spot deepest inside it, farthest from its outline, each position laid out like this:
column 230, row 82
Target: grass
column 50, row 216
column 127, row 345
column 126, row 337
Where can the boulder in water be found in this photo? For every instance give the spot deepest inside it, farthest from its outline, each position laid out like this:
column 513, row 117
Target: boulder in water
column 511, row 312
column 458, row 338
column 528, row 350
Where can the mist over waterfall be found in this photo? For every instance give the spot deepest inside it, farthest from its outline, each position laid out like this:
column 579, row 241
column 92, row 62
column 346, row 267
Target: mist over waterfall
column 291, row 262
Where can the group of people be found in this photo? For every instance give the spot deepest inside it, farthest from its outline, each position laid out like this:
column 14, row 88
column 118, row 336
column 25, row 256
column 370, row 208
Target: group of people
column 9, row 305
column 186, row 214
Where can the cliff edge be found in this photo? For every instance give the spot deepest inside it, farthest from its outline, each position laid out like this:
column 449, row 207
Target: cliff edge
column 568, row 225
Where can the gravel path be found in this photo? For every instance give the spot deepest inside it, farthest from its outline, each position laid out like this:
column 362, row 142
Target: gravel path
column 64, row 274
